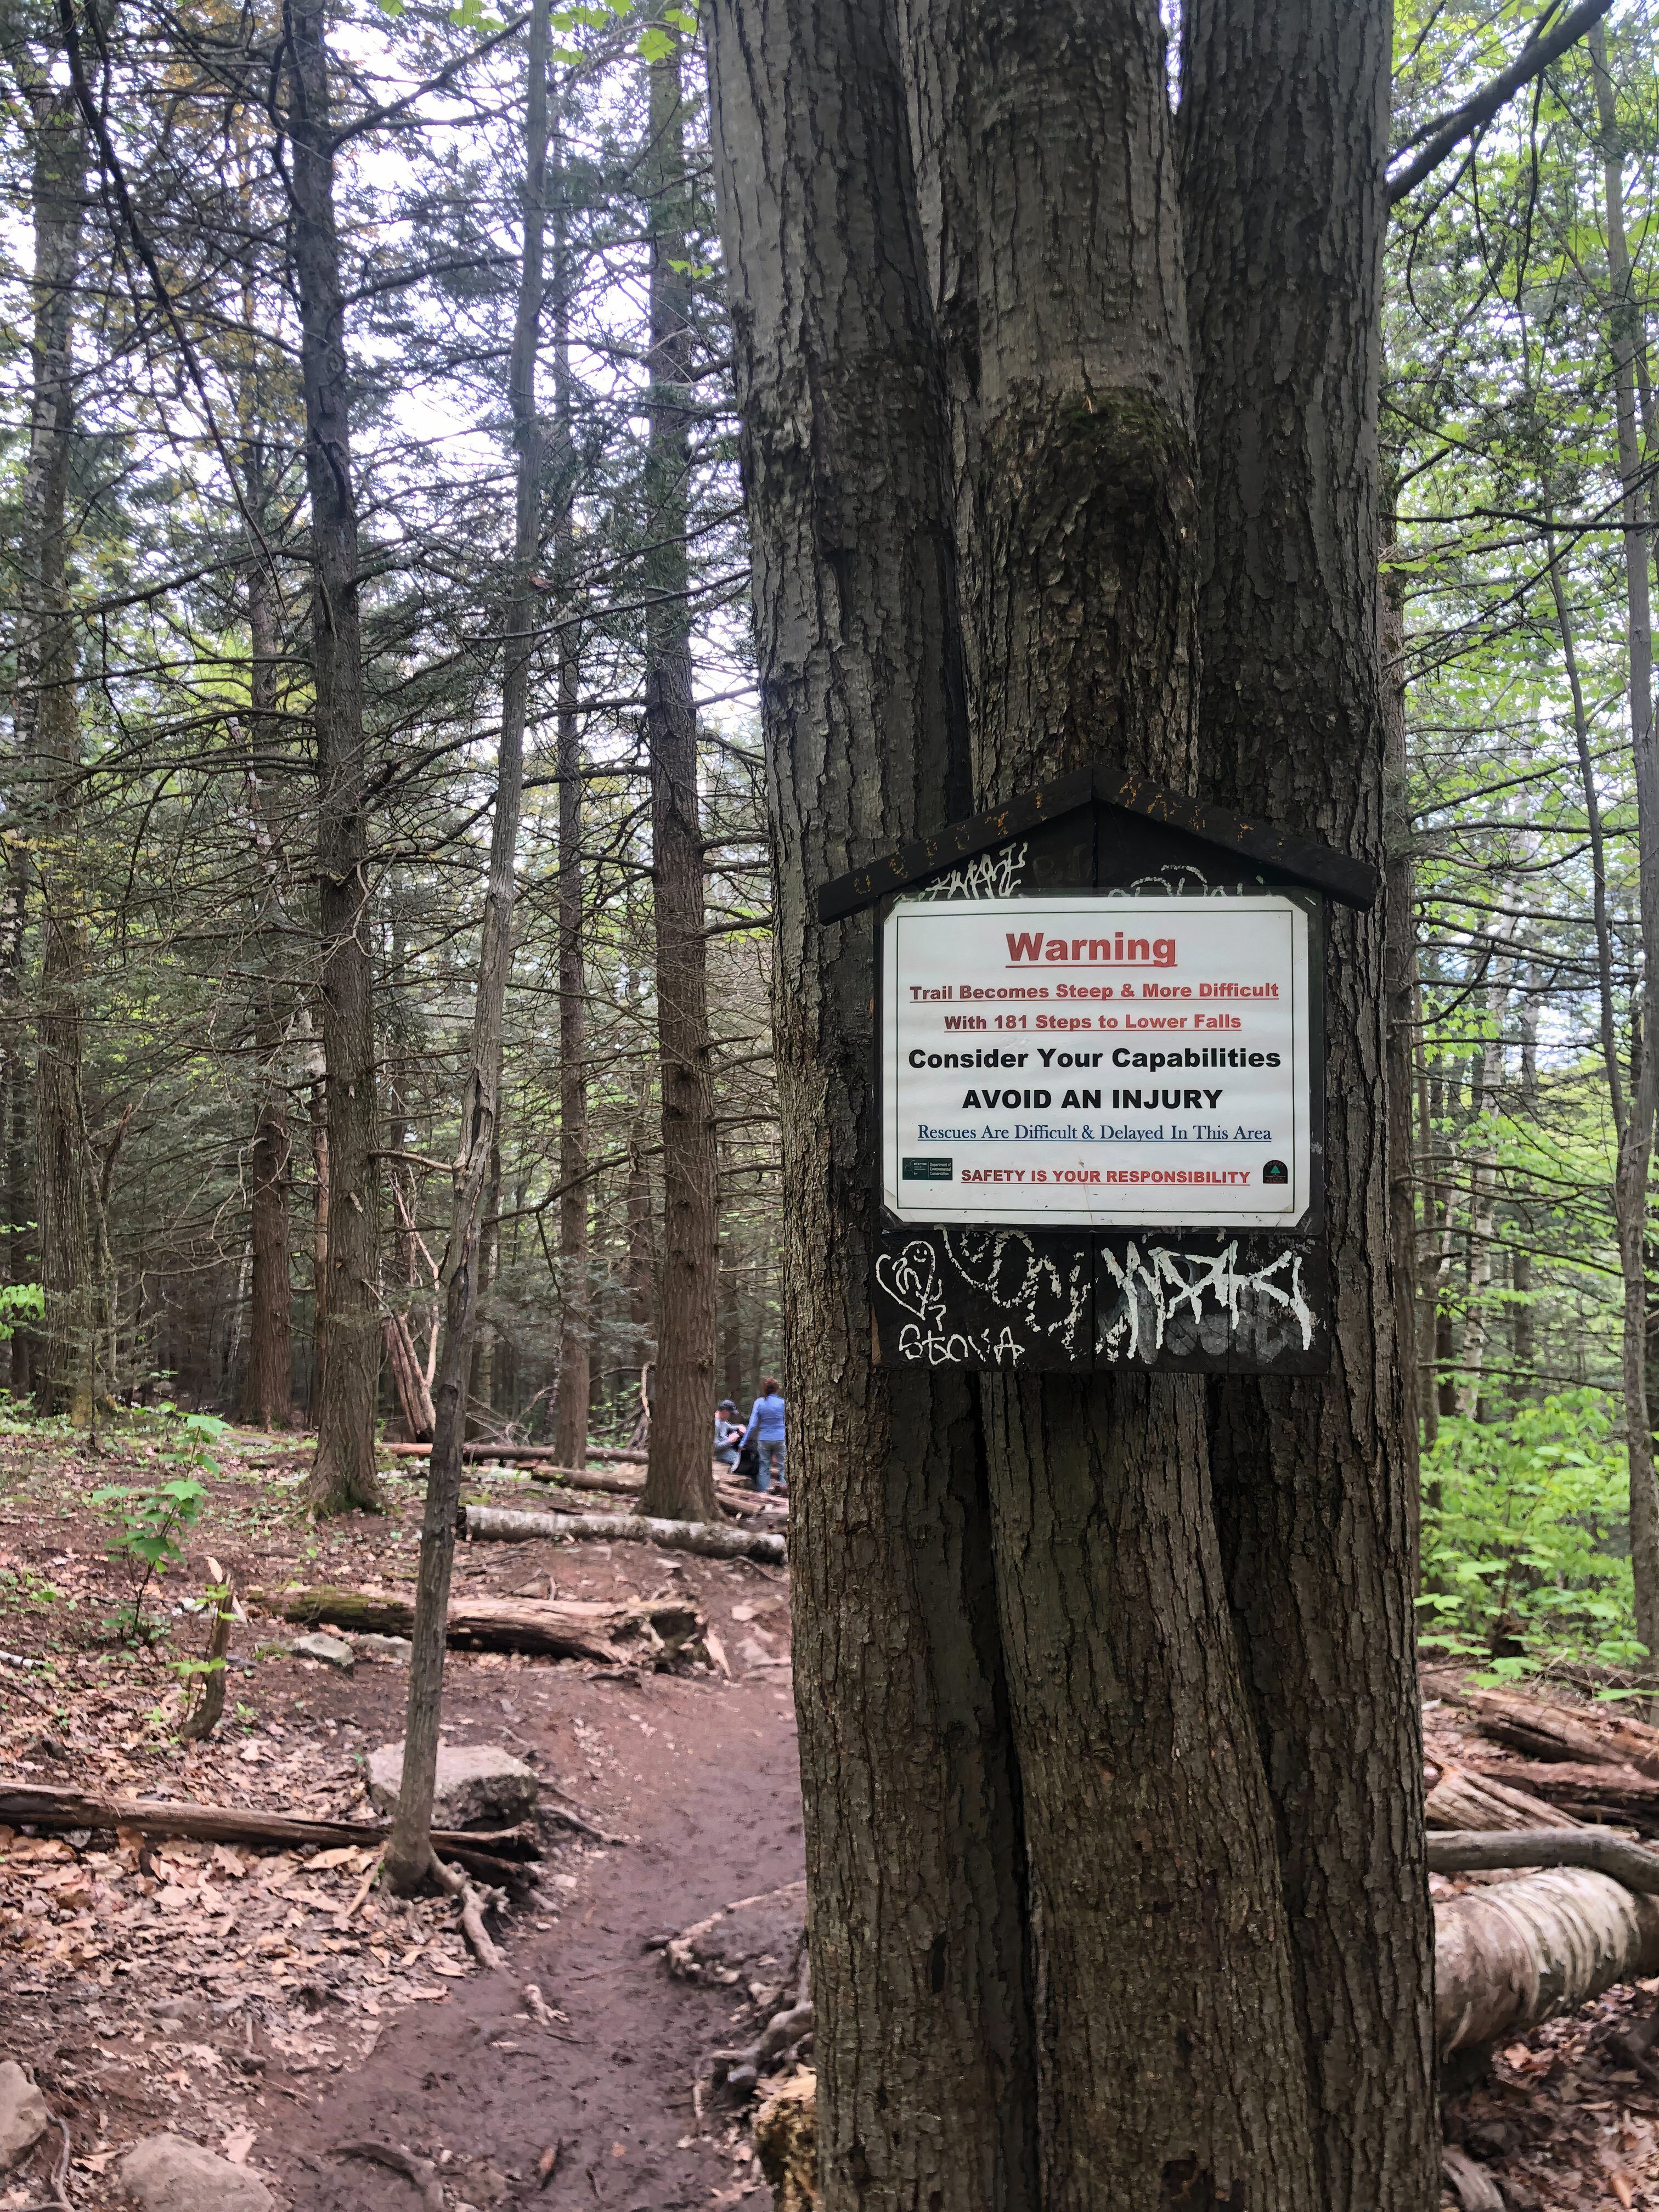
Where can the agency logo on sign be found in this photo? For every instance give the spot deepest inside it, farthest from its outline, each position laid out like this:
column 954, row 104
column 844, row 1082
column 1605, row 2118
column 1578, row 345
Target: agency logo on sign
column 915, row 1171
column 1275, row 1171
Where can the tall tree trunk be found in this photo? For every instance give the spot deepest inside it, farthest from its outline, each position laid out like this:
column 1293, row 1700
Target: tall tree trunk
column 1128, row 1710
column 74, row 1350
column 1284, row 113
column 409, row 1852
column 1636, row 1151
column 575, row 1322
column 678, row 1483
column 920, row 1979
column 14, row 1113
column 267, row 1392
column 342, row 1475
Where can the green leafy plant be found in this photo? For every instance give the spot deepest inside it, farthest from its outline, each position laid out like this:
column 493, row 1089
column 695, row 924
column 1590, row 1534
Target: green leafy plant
column 148, row 1523
column 149, row 1520
column 1526, row 1549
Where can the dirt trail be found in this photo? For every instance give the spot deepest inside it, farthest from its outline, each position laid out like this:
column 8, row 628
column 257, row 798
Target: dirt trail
column 712, row 1797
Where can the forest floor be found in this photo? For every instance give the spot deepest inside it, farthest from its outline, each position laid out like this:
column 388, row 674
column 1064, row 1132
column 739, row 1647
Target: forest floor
column 221, row 1992
column 237, row 1996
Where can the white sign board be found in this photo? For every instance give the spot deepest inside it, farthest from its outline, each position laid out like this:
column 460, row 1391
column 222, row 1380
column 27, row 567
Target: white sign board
column 1093, row 1059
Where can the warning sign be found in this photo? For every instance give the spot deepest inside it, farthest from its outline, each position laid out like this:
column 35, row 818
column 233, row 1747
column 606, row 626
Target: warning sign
column 1097, row 1060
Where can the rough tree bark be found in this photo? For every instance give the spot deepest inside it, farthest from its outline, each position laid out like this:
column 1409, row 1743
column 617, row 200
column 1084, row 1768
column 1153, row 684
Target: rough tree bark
column 342, row 1475
column 72, row 1368
column 914, row 1853
column 408, row 1854
column 1285, row 115
column 1127, row 1712
column 679, row 1484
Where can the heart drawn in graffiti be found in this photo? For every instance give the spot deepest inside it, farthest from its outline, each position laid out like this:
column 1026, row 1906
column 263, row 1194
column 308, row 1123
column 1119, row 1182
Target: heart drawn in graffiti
column 910, row 1278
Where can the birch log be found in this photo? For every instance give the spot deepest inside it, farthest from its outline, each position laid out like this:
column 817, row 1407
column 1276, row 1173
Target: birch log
column 1523, row 1952
column 499, row 1524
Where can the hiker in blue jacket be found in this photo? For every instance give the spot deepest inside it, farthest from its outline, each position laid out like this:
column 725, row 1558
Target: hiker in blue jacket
column 766, row 1427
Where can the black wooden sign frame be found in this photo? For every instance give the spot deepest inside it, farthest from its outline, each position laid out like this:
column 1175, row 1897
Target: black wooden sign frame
column 1239, row 1301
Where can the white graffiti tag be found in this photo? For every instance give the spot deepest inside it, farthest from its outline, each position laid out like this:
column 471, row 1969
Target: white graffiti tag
column 987, row 875
column 1154, row 1288
column 940, row 1349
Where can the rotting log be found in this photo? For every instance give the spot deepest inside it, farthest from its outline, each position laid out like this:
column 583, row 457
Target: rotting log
column 644, row 1633
column 498, row 1524
column 1552, row 1732
column 1603, row 1849
column 1613, row 1794
column 1463, row 1801
column 1523, row 1952
column 41, row 1806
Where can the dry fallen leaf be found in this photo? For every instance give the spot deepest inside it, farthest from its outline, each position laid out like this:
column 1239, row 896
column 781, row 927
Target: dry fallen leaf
column 237, row 2145
column 1621, row 2189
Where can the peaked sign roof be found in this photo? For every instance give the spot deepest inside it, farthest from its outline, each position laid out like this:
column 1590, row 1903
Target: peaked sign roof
column 1267, row 844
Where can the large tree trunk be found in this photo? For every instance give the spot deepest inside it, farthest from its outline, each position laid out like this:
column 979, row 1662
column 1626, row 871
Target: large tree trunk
column 73, row 1365
column 408, row 1856
column 679, row 1486
column 1128, row 1710
column 1636, row 1151
column 920, row 1970
column 1284, row 112
column 343, row 1475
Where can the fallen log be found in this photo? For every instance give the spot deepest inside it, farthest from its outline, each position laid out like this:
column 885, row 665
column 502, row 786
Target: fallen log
column 1614, row 1795
column 42, row 1806
column 1507, row 1958
column 1605, row 1850
column 641, row 1633
column 1463, row 1801
column 496, row 1523
column 1565, row 1733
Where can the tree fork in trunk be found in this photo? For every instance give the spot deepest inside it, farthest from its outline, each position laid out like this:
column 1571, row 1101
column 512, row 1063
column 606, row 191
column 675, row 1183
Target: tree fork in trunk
column 1128, row 1715
column 919, row 1972
column 1284, row 116
column 679, row 1484
column 342, row 1476
column 408, row 1854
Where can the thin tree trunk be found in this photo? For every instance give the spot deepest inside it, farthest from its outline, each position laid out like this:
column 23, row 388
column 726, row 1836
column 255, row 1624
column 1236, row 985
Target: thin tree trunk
column 74, row 1323
column 408, row 1854
column 679, row 1486
column 576, row 1322
column 1284, row 116
column 1426, row 1256
column 1636, row 1151
column 267, row 1393
column 922, row 1982
column 1485, row 1089
column 342, row 1475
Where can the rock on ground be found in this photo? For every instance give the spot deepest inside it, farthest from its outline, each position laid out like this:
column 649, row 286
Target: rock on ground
column 394, row 1648
column 478, row 1785
column 23, row 2115
column 332, row 1651
column 165, row 2173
